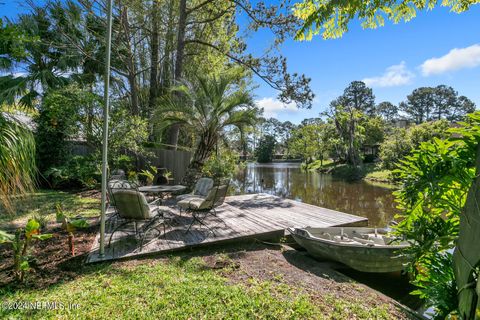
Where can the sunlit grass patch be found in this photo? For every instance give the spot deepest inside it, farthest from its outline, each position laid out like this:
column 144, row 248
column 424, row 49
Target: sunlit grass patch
column 175, row 289
column 43, row 203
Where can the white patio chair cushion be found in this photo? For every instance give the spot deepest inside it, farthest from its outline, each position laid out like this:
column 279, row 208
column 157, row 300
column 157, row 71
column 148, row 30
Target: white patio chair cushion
column 186, row 196
column 198, row 203
column 203, row 186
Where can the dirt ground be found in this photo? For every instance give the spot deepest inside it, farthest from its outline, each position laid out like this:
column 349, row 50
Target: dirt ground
column 239, row 263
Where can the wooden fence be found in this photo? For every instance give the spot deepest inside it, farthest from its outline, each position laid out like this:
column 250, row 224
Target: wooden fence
column 174, row 160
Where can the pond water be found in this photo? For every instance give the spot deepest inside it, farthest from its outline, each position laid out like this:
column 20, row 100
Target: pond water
column 288, row 180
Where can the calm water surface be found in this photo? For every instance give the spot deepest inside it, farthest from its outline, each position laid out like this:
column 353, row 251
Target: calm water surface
column 287, row 180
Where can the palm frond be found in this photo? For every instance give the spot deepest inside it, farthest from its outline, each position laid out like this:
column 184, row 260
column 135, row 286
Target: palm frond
column 207, row 106
column 11, row 87
column 242, row 118
column 236, row 100
column 17, row 160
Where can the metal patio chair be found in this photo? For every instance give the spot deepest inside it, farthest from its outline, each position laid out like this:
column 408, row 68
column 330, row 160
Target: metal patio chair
column 201, row 189
column 132, row 207
column 201, row 207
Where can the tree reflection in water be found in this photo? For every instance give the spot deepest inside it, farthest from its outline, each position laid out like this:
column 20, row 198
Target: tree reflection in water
column 287, row 180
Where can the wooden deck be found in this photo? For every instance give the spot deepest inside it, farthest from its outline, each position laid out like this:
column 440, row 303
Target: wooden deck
column 252, row 216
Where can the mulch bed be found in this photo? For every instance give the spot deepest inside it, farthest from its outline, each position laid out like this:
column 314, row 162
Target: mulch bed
column 52, row 261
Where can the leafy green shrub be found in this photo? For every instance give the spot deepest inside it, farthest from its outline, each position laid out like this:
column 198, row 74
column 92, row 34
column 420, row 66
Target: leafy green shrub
column 17, row 160
column 435, row 180
column 264, row 151
column 132, row 176
column 78, row 172
column 435, row 281
column 57, row 124
column 221, row 166
column 126, row 132
column 348, row 172
column 402, row 141
column 123, row 162
column 41, row 219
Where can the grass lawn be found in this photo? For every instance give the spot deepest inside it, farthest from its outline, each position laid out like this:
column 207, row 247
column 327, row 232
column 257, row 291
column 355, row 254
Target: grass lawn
column 319, row 165
column 248, row 281
column 374, row 172
column 43, row 203
column 175, row 288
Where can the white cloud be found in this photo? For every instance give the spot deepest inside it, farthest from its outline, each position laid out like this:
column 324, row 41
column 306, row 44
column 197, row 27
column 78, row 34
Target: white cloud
column 19, row 74
column 456, row 59
column 271, row 107
column 396, row 75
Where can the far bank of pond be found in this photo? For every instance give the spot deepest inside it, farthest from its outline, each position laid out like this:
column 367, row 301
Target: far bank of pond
column 288, row 180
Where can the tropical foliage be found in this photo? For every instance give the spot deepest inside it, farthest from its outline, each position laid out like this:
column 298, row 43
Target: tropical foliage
column 69, row 225
column 21, row 243
column 58, row 125
column 77, row 172
column 17, row 160
column 436, row 179
column 17, row 145
column 207, row 106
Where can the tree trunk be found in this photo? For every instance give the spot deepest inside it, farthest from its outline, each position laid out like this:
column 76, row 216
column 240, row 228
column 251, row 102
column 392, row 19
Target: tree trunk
column 154, row 57
column 352, row 157
column 166, row 74
column 131, row 66
column 182, row 24
column 205, row 147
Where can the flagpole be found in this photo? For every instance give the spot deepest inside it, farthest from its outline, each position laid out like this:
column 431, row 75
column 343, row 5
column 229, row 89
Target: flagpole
column 105, row 127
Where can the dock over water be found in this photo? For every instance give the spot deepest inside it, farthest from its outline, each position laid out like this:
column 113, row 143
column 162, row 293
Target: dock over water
column 240, row 218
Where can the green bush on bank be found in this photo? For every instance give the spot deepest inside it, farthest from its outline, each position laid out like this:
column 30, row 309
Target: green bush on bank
column 401, row 142
column 221, row 166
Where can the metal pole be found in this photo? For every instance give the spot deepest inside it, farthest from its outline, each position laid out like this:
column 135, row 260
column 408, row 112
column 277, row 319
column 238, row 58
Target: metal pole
column 105, row 127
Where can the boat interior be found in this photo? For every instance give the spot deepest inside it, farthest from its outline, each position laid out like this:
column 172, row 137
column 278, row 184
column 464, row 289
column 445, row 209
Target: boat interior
column 362, row 236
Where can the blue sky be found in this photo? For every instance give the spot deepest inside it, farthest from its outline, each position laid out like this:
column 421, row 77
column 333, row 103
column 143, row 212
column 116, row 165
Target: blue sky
column 437, row 47
column 392, row 55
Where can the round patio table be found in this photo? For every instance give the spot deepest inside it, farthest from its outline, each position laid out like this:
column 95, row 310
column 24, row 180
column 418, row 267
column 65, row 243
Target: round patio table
column 160, row 190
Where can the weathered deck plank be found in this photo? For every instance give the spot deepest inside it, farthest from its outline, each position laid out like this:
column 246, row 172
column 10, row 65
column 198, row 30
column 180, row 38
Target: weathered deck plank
column 240, row 217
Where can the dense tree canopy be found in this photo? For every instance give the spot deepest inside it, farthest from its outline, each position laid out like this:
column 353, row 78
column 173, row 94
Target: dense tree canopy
column 387, row 111
column 331, row 18
column 348, row 112
column 435, row 103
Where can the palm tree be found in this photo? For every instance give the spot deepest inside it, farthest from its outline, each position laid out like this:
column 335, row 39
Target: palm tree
column 17, row 144
column 207, row 107
column 44, row 65
column 17, row 160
